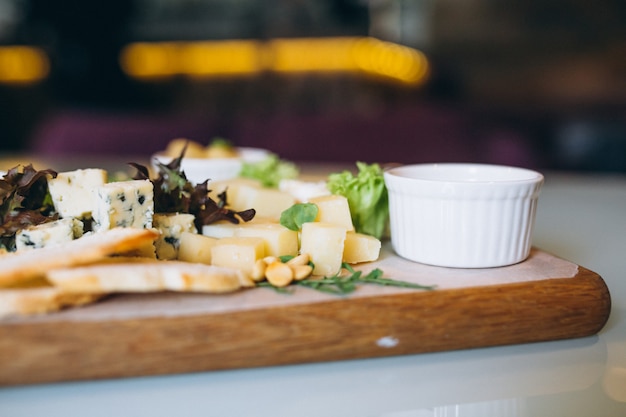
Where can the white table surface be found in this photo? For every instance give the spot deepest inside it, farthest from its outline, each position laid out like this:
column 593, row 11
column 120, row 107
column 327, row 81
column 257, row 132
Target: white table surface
column 581, row 218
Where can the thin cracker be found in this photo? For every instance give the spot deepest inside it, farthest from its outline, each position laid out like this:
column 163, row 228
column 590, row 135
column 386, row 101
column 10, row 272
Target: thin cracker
column 149, row 277
column 41, row 300
column 20, row 267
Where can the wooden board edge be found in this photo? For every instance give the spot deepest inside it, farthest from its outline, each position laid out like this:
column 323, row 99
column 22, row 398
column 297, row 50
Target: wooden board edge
column 408, row 323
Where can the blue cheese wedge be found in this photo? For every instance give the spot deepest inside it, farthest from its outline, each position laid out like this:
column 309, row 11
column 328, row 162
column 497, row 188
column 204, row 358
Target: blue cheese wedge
column 72, row 191
column 171, row 226
column 124, row 204
column 46, row 234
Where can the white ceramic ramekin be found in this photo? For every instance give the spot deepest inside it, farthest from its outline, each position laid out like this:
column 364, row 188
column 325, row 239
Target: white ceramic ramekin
column 198, row 170
column 462, row 215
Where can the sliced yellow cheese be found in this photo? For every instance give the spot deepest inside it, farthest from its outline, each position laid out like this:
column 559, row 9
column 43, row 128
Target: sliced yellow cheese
column 333, row 209
column 268, row 202
column 195, row 248
column 238, row 252
column 220, row 229
column 324, row 242
column 236, row 191
column 278, row 239
column 360, row 247
column 246, row 193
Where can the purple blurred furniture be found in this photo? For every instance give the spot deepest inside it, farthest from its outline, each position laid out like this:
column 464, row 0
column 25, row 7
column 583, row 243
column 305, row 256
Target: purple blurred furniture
column 420, row 133
column 81, row 132
column 403, row 135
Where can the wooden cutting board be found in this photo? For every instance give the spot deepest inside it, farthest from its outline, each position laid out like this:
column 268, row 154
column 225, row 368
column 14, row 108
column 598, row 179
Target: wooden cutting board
column 543, row 298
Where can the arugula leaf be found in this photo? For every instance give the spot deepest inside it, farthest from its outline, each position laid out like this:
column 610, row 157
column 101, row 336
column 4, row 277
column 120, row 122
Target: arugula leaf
column 298, row 214
column 173, row 193
column 269, row 170
column 367, row 197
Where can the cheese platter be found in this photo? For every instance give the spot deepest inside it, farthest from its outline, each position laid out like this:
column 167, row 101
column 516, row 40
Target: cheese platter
column 159, row 275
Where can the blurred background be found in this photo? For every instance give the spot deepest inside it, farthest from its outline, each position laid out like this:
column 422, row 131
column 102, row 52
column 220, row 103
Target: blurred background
column 535, row 83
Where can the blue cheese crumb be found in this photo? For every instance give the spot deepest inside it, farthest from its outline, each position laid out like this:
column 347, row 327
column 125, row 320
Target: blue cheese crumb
column 51, row 233
column 171, row 226
column 72, row 194
column 124, row 204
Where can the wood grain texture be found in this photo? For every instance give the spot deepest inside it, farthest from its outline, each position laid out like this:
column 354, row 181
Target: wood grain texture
column 33, row 351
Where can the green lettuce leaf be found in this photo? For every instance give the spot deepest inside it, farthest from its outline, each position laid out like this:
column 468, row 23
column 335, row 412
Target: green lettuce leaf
column 269, row 170
column 367, row 197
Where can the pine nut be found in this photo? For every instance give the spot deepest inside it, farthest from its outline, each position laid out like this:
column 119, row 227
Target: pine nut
column 279, row 274
column 301, row 259
column 301, row 271
column 258, row 271
column 270, row 259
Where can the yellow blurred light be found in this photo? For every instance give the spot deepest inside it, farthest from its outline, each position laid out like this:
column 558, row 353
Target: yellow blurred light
column 23, row 65
column 390, row 60
column 221, row 57
column 296, row 55
column 165, row 59
column 150, row 60
column 241, row 57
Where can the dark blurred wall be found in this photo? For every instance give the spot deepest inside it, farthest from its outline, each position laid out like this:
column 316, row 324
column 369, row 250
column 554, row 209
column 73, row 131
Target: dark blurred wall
column 84, row 40
column 541, row 68
column 556, row 53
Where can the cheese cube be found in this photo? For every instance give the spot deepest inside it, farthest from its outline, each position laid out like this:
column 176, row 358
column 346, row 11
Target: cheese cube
column 124, row 204
column 324, row 242
column 58, row 231
column 170, row 227
column 244, row 193
column 270, row 202
column 224, row 228
column 333, row 209
column 278, row 239
column 196, row 248
column 236, row 191
column 220, row 229
column 72, row 191
column 359, row 247
column 238, row 252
